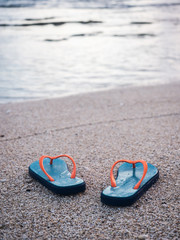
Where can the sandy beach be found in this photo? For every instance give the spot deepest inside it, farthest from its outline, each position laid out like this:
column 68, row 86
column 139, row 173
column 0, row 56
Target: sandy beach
column 96, row 129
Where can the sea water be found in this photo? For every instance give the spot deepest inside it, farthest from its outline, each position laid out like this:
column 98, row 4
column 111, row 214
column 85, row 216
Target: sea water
column 54, row 48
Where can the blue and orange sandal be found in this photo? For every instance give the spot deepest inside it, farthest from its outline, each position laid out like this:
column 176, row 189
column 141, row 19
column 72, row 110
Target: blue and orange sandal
column 56, row 177
column 133, row 179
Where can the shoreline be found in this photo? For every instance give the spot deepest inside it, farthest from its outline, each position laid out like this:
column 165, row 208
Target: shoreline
column 96, row 129
column 121, row 87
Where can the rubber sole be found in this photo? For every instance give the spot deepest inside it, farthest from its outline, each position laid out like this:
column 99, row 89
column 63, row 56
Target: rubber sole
column 59, row 190
column 127, row 201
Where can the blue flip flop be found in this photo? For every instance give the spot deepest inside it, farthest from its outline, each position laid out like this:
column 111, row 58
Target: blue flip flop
column 133, row 179
column 56, row 177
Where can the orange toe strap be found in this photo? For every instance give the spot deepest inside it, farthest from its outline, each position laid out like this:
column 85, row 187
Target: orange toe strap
column 73, row 174
column 113, row 181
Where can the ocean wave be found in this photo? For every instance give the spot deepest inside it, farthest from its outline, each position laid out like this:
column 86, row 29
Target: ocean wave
column 38, row 19
column 84, row 3
column 74, row 35
column 139, row 35
column 55, row 23
column 141, row 23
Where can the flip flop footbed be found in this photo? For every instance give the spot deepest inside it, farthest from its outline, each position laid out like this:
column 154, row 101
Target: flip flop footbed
column 124, row 193
column 63, row 183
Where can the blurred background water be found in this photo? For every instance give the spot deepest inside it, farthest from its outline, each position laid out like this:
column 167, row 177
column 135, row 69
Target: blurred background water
column 53, row 48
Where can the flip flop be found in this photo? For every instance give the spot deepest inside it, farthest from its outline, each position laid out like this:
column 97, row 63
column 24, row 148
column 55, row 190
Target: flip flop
column 133, row 179
column 56, row 177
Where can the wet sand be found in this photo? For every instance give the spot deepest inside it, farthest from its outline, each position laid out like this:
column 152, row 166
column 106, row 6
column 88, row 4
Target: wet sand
column 95, row 129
